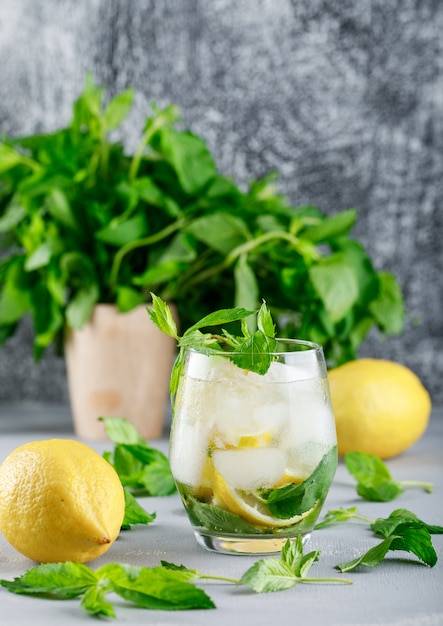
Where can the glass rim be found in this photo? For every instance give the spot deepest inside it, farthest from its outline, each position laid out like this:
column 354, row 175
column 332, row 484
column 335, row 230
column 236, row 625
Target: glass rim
column 309, row 346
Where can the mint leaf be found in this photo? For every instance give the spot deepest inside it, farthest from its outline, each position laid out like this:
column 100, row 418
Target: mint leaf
column 388, row 307
column 161, row 316
column 415, row 538
column 135, row 513
column 337, row 515
column 141, row 468
column 336, row 282
column 270, row 574
column 60, row 580
column 371, row 558
column 387, row 526
column 94, row 602
column 273, row 574
column 120, row 430
column 217, row 519
column 162, row 589
column 379, row 490
column 292, row 554
column 190, row 574
column 365, row 466
column 290, row 500
column 374, row 480
column 155, row 477
column 217, row 318
column 254, row 353
column 158, row 588
column 409, row 537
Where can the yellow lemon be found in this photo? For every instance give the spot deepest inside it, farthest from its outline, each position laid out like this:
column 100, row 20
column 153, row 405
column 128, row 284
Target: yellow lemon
column 380, row 407
column 59, row 501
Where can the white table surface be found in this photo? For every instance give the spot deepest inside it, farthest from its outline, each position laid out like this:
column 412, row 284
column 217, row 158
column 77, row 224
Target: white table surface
column 399, row 592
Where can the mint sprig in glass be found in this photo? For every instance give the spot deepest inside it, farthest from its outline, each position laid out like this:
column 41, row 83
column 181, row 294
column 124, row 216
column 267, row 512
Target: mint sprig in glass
column 253, row 442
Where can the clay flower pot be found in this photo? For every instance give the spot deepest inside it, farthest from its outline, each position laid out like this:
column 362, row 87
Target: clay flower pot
column 119, row 365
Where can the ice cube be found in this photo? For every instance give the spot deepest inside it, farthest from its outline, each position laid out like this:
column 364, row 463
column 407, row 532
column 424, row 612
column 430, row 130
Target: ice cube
column 188, row 451
column 250, row 468
column 311, row 415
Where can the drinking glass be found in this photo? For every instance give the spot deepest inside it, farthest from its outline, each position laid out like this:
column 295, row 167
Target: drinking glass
column 253, row 455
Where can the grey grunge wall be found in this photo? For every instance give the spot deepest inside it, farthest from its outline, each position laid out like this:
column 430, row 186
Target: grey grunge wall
column 344, row 98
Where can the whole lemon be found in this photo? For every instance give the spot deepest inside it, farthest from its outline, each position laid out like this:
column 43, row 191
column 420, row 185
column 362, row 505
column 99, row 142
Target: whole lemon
column 60, row 501
column 380, row 407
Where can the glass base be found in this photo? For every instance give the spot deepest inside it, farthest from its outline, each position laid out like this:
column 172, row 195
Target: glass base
column 243, row 545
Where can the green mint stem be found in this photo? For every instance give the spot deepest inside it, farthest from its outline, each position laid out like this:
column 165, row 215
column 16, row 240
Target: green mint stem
column 161, row 120
column 428, row 487
column 139, row 243
column 243, row 249
column 362, row 517
column 226, row 579
column 345, row 581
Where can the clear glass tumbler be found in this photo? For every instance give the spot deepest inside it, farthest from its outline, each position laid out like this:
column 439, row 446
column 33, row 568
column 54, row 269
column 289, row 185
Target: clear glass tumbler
column 253, row 455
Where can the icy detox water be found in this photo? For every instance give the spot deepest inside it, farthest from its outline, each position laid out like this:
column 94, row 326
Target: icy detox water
column 253, row 455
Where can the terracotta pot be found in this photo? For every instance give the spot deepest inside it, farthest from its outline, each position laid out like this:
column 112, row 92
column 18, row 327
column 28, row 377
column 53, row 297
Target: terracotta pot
column 119, row 365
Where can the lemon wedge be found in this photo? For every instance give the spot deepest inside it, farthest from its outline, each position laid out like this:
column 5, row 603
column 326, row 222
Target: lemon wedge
column 248, row 506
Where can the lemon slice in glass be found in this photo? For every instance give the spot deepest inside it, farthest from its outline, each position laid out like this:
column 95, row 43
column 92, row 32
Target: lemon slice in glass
column 248, row 506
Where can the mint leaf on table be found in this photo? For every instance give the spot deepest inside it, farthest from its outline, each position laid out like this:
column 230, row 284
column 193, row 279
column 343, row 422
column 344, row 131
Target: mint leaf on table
column 386, row 526
column 165, row 587
column 401, row 531
column 157, row 588
column 339, row 515
column 119, row 430
column 141, row 468
column 161, row 588
column 277, row 574
column 135, row 513
column 408, row 537
column 59, row 580
column 374, row 480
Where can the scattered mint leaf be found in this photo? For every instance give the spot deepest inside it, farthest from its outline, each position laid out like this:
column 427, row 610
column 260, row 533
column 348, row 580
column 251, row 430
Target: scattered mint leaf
column 57, row 580
column 292, row 554
column 379, row 490
column 374, row 480
column 273, row 574
column 135, row 513
column 158, row 588
column 371, row 558
column 142, row 469
column 94, row 601
column 161, row 588
column 408, row 537
column 119, row 430
column 402, row 530
column 191, row 574
column 269, row 574
column 386, row 527
column 339, row 515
